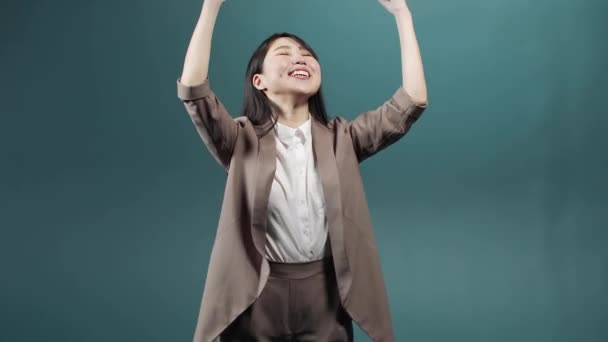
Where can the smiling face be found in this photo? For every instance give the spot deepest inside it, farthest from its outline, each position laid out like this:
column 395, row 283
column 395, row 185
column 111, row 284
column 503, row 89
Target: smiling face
column 289, row 69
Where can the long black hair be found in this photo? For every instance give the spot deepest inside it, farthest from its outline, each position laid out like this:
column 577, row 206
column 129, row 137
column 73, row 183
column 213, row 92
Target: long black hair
column 256, row 105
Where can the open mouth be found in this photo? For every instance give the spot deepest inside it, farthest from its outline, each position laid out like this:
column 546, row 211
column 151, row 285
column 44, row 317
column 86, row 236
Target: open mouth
column 300, row 75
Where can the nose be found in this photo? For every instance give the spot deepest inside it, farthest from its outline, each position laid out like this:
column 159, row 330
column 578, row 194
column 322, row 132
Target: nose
column 299, row 59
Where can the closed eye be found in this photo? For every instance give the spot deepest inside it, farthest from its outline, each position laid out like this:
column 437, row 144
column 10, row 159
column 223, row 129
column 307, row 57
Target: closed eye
column 287, row 54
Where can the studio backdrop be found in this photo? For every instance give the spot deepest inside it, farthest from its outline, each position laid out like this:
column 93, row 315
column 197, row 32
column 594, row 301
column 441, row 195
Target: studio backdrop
column 490, row 214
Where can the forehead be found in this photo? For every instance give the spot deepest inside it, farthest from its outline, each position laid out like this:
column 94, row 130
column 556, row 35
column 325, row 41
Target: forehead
column 285, row 43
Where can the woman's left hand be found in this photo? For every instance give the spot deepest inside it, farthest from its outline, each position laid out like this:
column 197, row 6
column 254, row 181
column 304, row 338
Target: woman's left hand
column 394, row 6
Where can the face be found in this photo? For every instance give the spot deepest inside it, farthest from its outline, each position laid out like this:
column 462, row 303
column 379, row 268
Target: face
column 284, row 57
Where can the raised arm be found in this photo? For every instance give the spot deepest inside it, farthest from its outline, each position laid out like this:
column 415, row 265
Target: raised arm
column 214, row 124
column 376, row 129
column 196, row 64
column 412, row 71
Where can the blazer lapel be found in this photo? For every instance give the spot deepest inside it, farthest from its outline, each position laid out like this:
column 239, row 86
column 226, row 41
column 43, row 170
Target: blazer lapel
column 323, row 149
column 265, row 169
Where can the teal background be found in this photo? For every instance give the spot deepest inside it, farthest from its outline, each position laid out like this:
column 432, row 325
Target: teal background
column 490, row 214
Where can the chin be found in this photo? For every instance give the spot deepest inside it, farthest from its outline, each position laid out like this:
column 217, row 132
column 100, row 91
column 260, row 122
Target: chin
column 306, row 91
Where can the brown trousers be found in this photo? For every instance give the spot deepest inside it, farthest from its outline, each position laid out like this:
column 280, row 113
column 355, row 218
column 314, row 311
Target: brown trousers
column 299, row 303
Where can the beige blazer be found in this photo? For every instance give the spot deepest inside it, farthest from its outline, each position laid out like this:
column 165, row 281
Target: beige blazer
column 238, row 270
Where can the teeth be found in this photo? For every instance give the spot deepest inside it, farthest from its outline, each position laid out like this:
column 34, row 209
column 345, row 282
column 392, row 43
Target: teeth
column 301, row 73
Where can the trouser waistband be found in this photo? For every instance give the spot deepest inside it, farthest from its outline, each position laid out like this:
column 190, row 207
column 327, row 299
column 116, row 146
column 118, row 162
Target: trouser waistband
column 301, row 270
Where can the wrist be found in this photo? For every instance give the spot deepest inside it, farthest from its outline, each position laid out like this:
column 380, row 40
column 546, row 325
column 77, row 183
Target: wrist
column 403, row 13
column 213, row 4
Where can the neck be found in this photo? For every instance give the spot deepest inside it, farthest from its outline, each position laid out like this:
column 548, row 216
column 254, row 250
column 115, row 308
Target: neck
column 293, row 110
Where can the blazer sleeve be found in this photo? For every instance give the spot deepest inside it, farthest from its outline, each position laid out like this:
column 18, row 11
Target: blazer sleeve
column 214, row 124
column 377, row 129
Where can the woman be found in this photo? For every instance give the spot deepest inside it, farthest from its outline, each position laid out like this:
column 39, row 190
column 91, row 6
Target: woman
column 294, row 257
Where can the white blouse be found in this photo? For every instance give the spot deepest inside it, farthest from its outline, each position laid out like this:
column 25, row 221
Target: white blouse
column 297, row 226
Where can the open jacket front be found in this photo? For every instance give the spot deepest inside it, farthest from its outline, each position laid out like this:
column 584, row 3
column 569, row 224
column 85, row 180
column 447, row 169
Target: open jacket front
column 238, row 270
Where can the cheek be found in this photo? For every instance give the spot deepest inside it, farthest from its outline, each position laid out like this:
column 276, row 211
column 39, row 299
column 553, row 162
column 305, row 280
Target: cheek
column 282, row 70
column 276, row 75
column 317, row 67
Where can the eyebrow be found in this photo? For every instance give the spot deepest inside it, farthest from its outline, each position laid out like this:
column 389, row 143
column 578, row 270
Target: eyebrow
column 289, row 47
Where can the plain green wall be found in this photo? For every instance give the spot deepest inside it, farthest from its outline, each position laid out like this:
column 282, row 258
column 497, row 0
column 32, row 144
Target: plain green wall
column 490, row 214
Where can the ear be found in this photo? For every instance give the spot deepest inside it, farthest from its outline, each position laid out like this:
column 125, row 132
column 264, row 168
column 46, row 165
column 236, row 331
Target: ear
column 258, row 81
